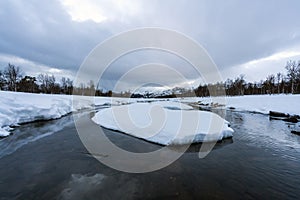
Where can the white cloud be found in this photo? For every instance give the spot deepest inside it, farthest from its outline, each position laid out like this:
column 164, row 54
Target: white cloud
column 273, row 58
column 59, row 34
column 84, row 10
column 101, row 11
column 34, row 69
column 259, row 69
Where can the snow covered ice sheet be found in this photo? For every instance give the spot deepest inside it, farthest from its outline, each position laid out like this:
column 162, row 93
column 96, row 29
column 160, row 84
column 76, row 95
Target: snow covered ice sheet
column 164, row 123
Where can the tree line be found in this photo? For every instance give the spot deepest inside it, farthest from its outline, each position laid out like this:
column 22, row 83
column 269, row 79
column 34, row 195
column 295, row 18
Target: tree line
column 12, row 78
column 278, row 83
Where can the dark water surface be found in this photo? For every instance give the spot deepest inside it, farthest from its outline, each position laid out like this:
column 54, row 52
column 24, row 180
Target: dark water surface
column 48, row 161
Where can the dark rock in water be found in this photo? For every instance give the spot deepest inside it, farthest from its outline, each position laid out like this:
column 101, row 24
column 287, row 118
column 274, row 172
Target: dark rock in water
column 231, row 108
column 205, row 109
column 1, row 136
column 295, row 132
column 277, row 118
column 278, row 114
column 203, row 104
column 292, row 119
column 284, row 117
column 216, row 105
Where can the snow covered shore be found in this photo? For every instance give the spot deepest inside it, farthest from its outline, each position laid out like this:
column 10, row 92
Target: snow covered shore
column 17, row 107
column 289, row 104
column 165, row 123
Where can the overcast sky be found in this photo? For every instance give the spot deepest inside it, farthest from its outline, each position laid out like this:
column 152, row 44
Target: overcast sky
column 254, row 38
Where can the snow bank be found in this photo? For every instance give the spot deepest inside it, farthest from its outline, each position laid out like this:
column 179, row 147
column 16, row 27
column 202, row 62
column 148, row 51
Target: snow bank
column 257, row 103
column 164, row 122
column 172, row 105
column 18, row 107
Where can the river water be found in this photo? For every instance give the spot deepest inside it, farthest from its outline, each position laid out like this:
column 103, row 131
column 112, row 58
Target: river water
column 46, row 160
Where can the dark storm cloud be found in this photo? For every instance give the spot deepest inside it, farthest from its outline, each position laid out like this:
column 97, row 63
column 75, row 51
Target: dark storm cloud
column 233, row 32
column 43, row 32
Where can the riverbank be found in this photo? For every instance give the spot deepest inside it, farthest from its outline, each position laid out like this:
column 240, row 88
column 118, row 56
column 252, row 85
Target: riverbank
column 289, row 104
column 17, row 108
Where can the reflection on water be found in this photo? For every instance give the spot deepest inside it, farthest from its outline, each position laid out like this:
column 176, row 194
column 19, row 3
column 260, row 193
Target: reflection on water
column 82, row 186
column 32, row 132
column 261, row 161
column 258, row 130
column 195, row 148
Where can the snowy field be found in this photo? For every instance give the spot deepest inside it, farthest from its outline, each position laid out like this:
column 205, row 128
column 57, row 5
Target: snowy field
column 289, row 104
column 18, row 108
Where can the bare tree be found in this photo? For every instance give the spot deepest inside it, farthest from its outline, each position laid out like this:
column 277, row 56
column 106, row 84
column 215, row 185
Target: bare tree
column 43, row 80
column 12, row 75
column 66, row 85
column 2, row 81
column 293, row 74
column 47, row 83
column 270, row 84
column 52, row 85
column 278, row 79
column 63, row 83
column 239, row 84
column 91, row 88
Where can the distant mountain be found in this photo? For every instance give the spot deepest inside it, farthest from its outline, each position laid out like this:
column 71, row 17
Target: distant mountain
column 151, row 92
column 157, row 92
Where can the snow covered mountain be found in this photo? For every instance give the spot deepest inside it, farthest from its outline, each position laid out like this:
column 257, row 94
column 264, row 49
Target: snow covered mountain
column 151, row 92
column 156, row 92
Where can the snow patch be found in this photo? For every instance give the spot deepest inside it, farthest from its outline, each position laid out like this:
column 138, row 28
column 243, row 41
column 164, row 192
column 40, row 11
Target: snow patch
column 155, row 122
